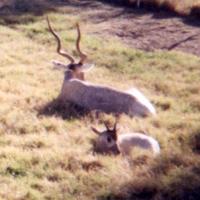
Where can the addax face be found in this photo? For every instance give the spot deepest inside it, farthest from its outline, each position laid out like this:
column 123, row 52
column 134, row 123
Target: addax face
column 77, row 70
column 106, row 142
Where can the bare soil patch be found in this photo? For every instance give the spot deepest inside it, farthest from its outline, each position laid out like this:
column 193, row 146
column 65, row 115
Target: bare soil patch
column 146, row 28
column 143, row 29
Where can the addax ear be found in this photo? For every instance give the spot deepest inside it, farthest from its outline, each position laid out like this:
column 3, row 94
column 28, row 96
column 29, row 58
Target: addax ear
column 96, row 131
column 58, row 65
column 87, row 67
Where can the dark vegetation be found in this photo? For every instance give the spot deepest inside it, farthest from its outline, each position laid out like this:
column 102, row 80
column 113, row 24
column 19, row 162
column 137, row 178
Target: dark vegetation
column 40, row 6
column 65, row 110
column 191, row 9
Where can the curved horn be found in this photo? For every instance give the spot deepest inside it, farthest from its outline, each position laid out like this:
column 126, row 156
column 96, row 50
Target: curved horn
column 115, row 126
column 107, row 126
column 59, row 51
column 81, row 54
column 116, row 122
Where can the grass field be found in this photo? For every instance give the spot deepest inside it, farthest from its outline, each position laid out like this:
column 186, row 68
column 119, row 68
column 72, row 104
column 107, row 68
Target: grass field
column 48, row 157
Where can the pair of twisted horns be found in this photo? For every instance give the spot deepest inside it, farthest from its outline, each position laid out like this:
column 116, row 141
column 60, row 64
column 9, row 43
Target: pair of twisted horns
column 63, row 53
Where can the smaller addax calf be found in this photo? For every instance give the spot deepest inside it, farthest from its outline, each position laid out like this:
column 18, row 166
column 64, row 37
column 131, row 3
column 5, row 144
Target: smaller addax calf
column 110, row 142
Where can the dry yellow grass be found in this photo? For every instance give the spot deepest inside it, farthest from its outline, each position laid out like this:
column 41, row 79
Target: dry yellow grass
column 48, row 157
column 179, row 6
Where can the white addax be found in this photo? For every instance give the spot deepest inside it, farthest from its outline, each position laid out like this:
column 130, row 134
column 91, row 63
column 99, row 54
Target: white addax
column 110, row 142
column 96, row 97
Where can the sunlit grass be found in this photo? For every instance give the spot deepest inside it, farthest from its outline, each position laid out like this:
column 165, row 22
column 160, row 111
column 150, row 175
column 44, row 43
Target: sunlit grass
column 47, row 157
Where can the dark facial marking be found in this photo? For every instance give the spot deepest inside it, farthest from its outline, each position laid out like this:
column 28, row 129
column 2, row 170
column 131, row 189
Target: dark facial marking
column 113, row 134
column 74, row 66
column 109, row 139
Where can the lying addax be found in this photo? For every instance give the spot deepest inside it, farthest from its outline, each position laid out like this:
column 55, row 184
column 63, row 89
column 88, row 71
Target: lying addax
column 95, row 97
column 110, row 142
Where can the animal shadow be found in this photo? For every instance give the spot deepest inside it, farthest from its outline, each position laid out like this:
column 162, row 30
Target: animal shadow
column 66, row 110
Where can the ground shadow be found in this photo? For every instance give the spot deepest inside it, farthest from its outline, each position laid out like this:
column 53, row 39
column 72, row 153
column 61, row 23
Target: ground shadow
column 21, row 11
column 158, row 12
column 195, row 141
column 40, row 7
column 65, row 110
column 20, row 7
column 160, row 183
column 153, row 192
column 153, row 6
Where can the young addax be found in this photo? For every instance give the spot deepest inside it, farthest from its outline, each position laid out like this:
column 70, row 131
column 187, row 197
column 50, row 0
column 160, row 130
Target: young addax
column 110, row 141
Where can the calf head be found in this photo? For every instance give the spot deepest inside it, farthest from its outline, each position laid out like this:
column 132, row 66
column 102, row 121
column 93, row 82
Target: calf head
column 106, row 142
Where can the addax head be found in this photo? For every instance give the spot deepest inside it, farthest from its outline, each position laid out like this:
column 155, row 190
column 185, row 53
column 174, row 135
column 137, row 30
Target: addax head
column 106, row 143
column 74, row 66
